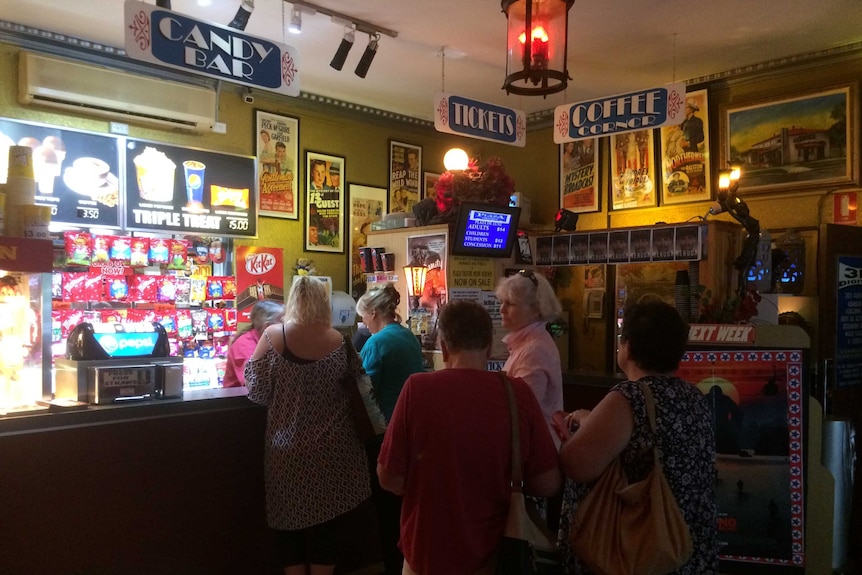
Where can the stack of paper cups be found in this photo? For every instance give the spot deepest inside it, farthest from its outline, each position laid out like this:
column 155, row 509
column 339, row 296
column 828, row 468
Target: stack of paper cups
column 20, row 188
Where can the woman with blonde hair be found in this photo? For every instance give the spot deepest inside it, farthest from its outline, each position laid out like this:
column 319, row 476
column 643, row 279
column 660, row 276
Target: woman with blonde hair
column 527, row 305
column 389, row 356
column 315, row 466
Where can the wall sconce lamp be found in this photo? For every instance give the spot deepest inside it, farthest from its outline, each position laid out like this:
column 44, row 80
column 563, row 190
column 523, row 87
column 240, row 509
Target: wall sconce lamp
column 456, row 159
column 343, row 48
column 536, row 46
column 295, row 26
column 565, row 220
column 415, row 276
column 730, row 202
column 368, row 55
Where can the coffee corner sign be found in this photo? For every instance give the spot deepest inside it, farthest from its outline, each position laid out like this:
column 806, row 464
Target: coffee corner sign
column 474, row 119
column 171, row 39
column 651, row 108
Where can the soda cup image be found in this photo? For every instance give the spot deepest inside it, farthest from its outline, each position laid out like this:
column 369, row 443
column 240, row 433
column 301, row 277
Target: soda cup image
column 194, row 172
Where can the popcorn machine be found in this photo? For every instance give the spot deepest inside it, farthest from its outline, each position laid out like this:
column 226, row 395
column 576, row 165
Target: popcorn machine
column 25, row 315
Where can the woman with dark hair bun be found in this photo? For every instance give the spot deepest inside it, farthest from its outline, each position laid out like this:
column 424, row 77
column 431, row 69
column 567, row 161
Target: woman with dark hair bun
column 652, row 342
column 389, row 356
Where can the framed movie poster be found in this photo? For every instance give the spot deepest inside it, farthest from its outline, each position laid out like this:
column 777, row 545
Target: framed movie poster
column 685, row 154
column 405, row 172
column 367, row 205
column 579, row 175
column 429, row 250
column 430, row 183
column 277, row 151
column 324, row 202
column 797, row 142
column 633, row 170
column 758, row 401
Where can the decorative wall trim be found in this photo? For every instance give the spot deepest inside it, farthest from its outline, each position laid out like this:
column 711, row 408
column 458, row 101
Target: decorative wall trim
column 69, row 46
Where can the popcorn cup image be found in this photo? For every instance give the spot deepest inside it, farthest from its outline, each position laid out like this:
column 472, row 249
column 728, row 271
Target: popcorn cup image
column 155, row 173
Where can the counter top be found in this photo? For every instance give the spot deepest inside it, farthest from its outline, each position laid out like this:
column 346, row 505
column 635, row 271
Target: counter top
column 195, row 401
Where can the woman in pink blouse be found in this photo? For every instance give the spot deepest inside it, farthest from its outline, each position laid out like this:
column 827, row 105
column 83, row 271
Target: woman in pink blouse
column 263, row 314
column 527, row 304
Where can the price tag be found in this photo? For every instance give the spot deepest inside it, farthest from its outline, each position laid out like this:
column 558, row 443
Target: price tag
column 88, row 213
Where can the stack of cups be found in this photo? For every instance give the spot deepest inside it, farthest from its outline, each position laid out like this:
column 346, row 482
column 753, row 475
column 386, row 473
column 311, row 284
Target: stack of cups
column 28, row 219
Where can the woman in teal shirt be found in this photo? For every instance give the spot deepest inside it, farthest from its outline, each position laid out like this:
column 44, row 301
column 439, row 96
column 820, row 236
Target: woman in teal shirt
column 389, row 356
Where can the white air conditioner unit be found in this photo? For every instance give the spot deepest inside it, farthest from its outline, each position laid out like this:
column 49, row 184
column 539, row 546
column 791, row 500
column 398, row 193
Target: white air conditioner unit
column 71, row 85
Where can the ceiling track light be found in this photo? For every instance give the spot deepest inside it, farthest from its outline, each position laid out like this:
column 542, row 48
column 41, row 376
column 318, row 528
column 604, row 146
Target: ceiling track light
column 358, row 24
column 367, row 56
column 343, row 48
column 295, row 26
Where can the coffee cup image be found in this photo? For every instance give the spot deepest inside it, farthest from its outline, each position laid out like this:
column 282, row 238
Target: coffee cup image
column 194, row 178
column 91, row 172
column 155, row 174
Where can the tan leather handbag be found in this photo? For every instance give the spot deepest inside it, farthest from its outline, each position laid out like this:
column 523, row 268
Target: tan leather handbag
column 631, row 529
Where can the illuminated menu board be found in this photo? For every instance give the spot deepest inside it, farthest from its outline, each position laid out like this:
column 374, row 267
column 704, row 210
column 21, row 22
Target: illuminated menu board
column 76, row 172
column 484, row 230
column 174, row 189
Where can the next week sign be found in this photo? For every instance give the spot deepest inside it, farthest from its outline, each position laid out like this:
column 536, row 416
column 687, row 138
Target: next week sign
column 178, row 41
column 474, row 119
column 651, row 108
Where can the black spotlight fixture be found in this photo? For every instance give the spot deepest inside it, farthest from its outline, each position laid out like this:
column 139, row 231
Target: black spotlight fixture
column 565, row 220
column 343, row 49
column 367, row 56
column 243, row 13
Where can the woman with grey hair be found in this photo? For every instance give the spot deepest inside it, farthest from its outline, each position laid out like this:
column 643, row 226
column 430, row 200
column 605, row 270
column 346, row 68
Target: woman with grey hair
column 389, row 356
column 263, row 314
column 315, row 466
column 527, row 304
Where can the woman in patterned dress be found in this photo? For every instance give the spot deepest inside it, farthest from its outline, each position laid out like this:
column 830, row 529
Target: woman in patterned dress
column 652, row 342
column 316, row 470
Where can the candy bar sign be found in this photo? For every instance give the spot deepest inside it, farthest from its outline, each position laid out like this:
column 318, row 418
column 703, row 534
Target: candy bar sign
column 172, row 39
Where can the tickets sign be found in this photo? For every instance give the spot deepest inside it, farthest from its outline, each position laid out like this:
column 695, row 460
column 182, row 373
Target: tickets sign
column 630, row 112
column 474, row 119
column 178, row 41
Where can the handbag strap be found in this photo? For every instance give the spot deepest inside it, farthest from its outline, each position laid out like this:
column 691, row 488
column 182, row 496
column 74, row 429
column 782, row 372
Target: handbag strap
column 517, row 482
column 353, row 360
column 649, row 402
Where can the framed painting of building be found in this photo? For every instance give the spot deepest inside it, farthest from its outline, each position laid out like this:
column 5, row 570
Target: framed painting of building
column 797, row 142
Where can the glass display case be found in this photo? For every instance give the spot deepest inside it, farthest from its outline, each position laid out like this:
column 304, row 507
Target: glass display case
column 25, row 316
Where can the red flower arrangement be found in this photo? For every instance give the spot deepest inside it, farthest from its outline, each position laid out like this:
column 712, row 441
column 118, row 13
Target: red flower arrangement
column 487, row 183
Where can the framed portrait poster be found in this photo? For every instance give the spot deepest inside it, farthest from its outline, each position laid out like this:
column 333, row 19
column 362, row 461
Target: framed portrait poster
column 633, row 170
column 430, row 183
column 324, row 202
column 429, row 250
column 685, row 175
column 797, row 142
column 405, row 169
column 579, row 175
column 277, row 150
column 367, row 205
